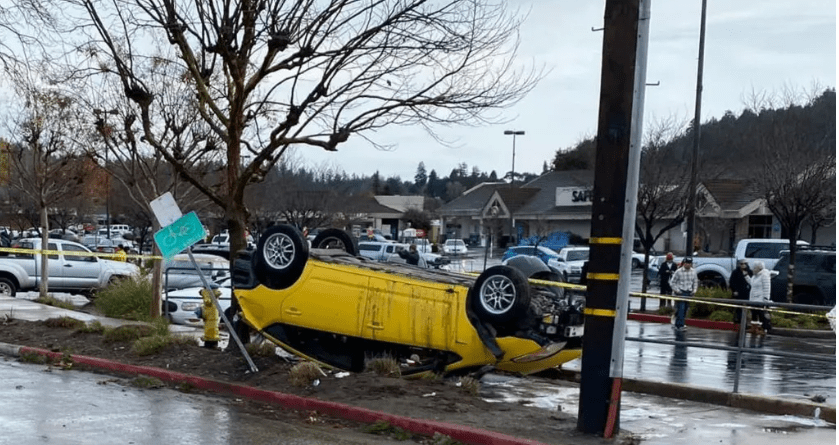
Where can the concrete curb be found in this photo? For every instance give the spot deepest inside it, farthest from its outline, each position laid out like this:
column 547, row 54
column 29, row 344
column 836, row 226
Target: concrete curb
column 751, row 402
column 728, row 326
column 428, row 428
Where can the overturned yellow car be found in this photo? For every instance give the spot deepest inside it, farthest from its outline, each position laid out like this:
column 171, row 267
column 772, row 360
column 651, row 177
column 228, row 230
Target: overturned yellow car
column 339, row 309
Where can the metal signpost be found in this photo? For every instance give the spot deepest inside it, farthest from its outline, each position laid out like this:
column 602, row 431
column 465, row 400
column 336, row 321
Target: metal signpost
column 179, row 233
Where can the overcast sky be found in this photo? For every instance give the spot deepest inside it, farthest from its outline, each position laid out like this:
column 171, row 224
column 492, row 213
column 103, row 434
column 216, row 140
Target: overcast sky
column 760, row 45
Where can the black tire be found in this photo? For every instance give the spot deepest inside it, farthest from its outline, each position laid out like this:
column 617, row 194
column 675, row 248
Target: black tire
column 500, row 295
column 336, row 239
column 7, row 287
column 635, row 263
column 280, row 257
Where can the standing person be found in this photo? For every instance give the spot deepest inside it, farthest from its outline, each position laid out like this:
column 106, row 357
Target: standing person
column 760, row 282
column 740, row 287
column 665, row 272
column 411, row 256
column 684, row 283
column 120, row 253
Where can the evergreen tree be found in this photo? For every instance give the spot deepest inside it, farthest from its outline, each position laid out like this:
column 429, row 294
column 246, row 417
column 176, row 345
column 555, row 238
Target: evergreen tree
column 421, row 178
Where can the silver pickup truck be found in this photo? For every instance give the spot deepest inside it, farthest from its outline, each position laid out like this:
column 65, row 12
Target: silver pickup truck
column 67, row 272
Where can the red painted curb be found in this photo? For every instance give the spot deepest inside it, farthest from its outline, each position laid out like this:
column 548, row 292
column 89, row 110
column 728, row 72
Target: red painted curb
column 705, row 324
column 461, row 433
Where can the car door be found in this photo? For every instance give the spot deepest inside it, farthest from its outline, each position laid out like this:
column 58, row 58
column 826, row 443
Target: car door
column 81, row 271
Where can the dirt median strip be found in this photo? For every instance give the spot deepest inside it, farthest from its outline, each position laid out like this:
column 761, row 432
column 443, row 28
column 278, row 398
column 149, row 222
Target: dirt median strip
column 428, row 428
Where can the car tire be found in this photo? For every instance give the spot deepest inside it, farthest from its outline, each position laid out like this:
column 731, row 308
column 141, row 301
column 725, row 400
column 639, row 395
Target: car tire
column 500, row 295
column 281, row 255
column 635, row 263
column 336, row 239
column 7, row 287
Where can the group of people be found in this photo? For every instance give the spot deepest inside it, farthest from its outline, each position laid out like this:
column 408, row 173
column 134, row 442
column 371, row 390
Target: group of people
column 745, row 284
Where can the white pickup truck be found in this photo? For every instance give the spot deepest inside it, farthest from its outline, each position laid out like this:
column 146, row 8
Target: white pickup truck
column 67, row 272
column 715, row 271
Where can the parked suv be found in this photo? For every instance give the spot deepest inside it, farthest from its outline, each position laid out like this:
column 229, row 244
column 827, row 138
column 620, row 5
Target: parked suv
column 815, row 276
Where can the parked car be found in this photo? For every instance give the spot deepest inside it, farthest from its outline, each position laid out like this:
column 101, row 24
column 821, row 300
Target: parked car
column 183, row 306
column 543, row 253
column 379, row 250
column 72, row 268
column 570, row 262
column 455, row 246
column 715, row 271
column 815, row 276
column 336, row 308
column 180, row 273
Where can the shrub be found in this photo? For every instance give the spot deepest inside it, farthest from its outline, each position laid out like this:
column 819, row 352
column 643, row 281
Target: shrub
column 156, row 343
column 470, row 385
column 64, row 322
column 721, row 315
column 704, row 310
column 52, row 301
column 126, row 333
column 304, row 373
column 94, row 327
column 262, row 349
column 130, row 299
column 384, row 366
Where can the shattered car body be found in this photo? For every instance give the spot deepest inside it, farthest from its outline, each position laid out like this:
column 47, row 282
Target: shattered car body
column 338, row 309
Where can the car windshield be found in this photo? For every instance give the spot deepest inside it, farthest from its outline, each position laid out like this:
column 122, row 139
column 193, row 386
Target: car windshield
column 577, row 255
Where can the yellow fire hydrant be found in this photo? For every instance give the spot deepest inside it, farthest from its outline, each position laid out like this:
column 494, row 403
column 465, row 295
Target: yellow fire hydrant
column 211, row 318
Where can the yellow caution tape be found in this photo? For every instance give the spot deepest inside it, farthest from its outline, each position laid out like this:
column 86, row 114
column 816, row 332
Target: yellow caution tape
column 74, row 253
column 605, row 240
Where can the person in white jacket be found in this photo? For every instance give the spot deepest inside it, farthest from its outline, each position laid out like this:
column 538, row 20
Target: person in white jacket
column 760, row 292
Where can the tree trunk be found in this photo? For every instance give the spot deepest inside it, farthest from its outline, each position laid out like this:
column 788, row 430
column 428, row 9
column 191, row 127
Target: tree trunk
column 157, row 273
column 793, row 247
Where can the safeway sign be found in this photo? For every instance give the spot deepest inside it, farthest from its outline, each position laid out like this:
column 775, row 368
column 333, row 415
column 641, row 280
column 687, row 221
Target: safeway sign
column 574, row 196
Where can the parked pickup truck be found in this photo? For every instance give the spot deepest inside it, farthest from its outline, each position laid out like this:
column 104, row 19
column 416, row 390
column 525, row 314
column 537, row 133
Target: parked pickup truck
column 715, row 271
column 67, row 273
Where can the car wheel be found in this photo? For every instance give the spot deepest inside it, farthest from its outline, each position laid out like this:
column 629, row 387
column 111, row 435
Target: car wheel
column 336, row 239
column 281, row 255
column 635, row 263
column 7, row 287
column 500, row 295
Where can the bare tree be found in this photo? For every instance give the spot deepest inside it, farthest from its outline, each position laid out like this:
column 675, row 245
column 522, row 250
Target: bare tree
column 46, row 165
column 662, row 190
column 266, row 75
column 796, row 168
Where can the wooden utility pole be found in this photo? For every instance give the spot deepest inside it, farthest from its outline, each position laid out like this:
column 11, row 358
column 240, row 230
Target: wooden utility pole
column 600, row 393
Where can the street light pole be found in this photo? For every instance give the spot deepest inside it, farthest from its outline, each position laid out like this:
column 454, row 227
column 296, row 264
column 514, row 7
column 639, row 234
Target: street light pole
column 513, row 171
column 101, row 126
column 514, row 133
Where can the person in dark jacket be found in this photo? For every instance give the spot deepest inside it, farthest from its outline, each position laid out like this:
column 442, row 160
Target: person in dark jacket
column 739, row 285
column 665, row 271
column 411, row 256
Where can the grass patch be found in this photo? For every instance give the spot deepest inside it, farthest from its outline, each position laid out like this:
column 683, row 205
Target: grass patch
column 304, row 373
column 442, row 439
column 262, row 349
column 146, row 382
column 469, row 385
column 49, row 300
column 64, row 322
column 130, row 299
column 33, row 357
column 382, row 428
column 94, row 327
column 126, row 333
column 156, row 343
column 384, row 366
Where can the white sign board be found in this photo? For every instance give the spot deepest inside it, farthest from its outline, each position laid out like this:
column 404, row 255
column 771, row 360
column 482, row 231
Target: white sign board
column 165, row 209
column 574, row 196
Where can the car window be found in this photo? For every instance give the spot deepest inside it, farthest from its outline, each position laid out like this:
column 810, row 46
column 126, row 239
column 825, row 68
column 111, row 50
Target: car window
column 53, row 247
column 765, row 250
column 79, row 258
column 577, row 255
column 24, row 245
column 368, row 247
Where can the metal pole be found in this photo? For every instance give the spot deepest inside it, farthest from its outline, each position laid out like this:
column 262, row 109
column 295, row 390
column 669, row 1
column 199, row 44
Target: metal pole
column 632, row 179
column 694, row 166
column 599, row 394
column 514, row 133
column 230, row 330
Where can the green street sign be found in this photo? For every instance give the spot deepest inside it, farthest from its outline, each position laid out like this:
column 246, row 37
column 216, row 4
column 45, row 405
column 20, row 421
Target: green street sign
column 179, row 235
